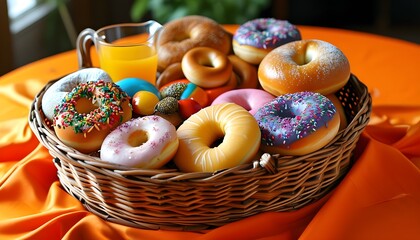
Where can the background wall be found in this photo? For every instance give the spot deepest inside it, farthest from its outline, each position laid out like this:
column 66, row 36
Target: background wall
column 395, row 18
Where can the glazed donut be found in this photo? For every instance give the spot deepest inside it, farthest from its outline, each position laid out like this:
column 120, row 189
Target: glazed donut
column 171, row 73
column 58, row 90
column 148, row 142
column 199, row 148
column 250, row 99
column 246, row 73
column 206, row 67
column 306, row 65
column 255, row 38
column 188, row 32
column 297, row 123
column 90, row 112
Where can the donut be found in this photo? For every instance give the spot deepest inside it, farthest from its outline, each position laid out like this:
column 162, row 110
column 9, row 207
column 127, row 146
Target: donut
column 90, row 112
column 255, row 38
column 58, row 90
column 206, row 67
column 246, row 73
column 188, row 32
column 297, row 123
column 217, row 137
column 147, row 142
column 305, row 65
column 248, row 98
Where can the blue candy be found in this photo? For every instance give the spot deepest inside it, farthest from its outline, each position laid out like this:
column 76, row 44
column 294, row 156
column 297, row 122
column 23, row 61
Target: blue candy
column 132, row 85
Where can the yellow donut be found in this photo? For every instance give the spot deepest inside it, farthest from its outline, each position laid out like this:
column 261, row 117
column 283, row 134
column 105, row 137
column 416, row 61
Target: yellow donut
column 199, row 137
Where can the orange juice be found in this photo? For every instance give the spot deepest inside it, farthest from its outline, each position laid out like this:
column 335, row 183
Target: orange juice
column 121, row 62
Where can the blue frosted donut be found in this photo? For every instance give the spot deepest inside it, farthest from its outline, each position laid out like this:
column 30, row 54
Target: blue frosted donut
column 297, row 123
column 255, row 38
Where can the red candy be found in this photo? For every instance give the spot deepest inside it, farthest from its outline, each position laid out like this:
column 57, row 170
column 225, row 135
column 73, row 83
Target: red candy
column 188, row 107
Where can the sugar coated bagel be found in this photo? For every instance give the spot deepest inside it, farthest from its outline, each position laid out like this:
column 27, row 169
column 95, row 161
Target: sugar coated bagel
column 206, row 67
column 58, row 90
column 147, row 142
column 248, row 98
column 297, row 123
column 255, row 38
column 90, row 112
column 305, row 65
column 199, row 149
column 188, row 32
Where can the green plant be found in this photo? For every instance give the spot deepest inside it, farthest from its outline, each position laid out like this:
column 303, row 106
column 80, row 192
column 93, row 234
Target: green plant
column 222, row 11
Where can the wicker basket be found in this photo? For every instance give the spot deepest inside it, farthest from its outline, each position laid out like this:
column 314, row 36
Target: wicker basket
column 172, row 200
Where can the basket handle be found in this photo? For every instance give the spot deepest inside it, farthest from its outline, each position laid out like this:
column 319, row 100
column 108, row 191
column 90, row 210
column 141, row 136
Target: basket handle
column 268, row 162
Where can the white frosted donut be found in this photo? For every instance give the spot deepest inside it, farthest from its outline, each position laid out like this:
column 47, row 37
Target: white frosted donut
column 56, row 93
column 200, row 149
column 248, row 98
column 148, row 142
column 305, row 65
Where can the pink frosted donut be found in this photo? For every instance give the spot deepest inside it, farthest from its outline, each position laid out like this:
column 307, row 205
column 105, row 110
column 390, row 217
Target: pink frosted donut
column 255, row 38
column 297, row 123
column 248, row 98
column 148, row 142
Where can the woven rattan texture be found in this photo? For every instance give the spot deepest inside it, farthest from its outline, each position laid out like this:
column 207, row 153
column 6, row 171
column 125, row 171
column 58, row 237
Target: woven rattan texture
column 172, row 200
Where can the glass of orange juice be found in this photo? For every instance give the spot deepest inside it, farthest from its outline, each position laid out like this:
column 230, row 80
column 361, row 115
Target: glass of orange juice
column 124, row 50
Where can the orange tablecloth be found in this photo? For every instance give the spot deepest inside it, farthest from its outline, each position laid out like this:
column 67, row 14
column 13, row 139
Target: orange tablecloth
column 378, row 199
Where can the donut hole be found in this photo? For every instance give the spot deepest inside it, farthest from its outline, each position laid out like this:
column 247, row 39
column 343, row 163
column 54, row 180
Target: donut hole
column 138, row 138
column 304, row 56
column 215, row 137
column 210, row 61
column 85, row 105
column 206, row 63
column 260, row 28
column 309, row 56
column 181, row 37
column 217, row 141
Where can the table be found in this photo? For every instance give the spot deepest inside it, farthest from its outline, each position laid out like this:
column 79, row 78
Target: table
column 378, row 199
